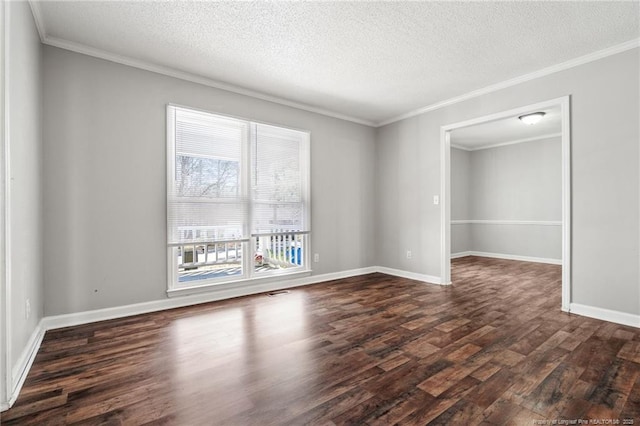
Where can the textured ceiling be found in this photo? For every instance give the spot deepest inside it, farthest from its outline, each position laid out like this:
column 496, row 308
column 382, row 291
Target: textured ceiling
column 372, row 61
column 507, row 130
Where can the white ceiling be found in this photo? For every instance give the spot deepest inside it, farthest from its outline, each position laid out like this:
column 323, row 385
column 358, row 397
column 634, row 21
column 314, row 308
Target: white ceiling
column 370, row 61
column 507, row 130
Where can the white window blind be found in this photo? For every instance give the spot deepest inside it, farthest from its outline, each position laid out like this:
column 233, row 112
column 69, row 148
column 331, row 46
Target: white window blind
column 206, row 200
column 280, row 163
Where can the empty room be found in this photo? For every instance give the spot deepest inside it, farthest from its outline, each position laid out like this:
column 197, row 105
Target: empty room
column 319, row 213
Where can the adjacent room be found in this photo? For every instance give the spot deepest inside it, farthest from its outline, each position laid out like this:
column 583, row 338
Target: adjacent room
column 507, row 189
column 288, row 213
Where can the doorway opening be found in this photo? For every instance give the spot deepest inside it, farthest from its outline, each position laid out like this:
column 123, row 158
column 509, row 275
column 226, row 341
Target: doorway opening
column 534, row 235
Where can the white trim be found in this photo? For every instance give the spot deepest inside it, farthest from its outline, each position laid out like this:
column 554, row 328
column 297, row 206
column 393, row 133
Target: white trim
column 24, row 363
column 5, row 220
column 508, row 222
column 238, row 284
column 445, row 185
column 504, row 114
column 461, row 254
column 37, row 18
column 600, row 54
column 445, row 205
column 170, row 139
column 430, row 279
column 194, row 78
column 565, row 113
column 4, row 382
column 507, row 257
column 78, row 318
column 462, row 148
column 501, row 144
column 605, row 314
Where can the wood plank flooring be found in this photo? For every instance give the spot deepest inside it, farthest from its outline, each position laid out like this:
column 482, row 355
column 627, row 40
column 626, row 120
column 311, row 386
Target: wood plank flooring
column 493, row 348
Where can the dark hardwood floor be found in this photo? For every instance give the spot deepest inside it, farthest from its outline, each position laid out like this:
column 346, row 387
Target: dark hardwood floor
column 493, row 348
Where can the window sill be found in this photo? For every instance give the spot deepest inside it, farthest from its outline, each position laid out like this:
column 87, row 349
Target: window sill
column 243, row 287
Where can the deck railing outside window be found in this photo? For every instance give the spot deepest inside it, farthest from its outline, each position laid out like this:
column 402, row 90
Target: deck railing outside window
column 217, row 260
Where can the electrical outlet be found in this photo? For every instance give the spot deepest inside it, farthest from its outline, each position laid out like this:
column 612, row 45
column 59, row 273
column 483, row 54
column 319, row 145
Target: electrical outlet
column 408, row 254
column 436, row 199
column 316, row 257
column 27, row 309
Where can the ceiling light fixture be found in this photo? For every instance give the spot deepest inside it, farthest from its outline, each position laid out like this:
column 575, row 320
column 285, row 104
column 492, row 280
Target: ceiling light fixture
column 532, row 118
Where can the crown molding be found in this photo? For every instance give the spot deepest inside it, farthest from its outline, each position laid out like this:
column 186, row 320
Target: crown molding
column 631, row 44
column 460, row 147
column 514, row 142
column 194, row 78
column 172, row 72
column 37, row 17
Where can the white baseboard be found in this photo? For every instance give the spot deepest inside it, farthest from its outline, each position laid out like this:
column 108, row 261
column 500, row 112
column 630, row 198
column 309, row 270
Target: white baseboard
column 507, row 257
column 410, row 275
column 605, row 314
column 314, row 279
column 23, row 364
column 461, row 254
column 79, row 318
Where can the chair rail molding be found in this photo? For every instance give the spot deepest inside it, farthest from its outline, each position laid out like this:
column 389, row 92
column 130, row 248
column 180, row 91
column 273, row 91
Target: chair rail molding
column 507, row 222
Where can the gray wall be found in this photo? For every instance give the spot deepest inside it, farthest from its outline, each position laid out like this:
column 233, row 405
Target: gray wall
column 535, row 241
column 105, row 180
column 520, row 182
column 605, row 179
column 25, row 145
column 460, row 200
column 461, row 192
column 517, row 182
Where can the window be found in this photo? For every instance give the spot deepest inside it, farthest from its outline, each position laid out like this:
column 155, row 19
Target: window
column 237, row 199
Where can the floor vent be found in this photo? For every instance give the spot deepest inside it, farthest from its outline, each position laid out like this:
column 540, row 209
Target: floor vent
column 277, row 293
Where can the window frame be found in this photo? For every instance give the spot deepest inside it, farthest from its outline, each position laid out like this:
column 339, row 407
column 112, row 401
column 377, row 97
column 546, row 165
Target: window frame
column 249, row 240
